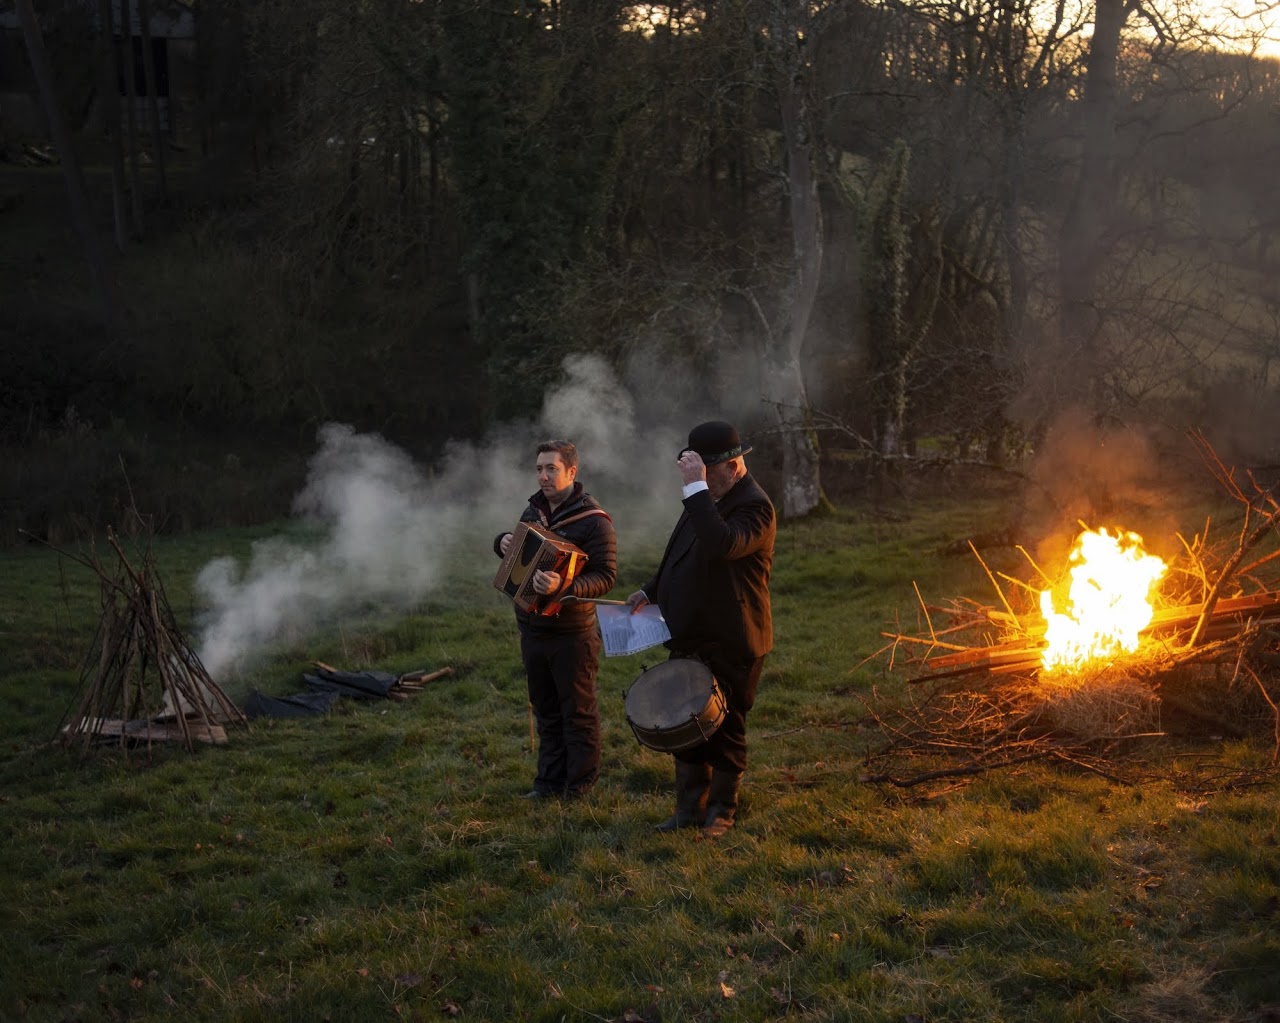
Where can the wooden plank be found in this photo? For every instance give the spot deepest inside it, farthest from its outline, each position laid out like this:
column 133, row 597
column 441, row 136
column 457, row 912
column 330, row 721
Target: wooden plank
column 1024, row 652
column 1005, row 668
column 425, row 676
column 1248, row 605
column 153, row 731
column 990, row 662
column 1001, row 652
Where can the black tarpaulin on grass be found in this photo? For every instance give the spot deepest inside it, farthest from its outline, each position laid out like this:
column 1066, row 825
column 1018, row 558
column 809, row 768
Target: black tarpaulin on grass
column 360, row 685
column 299, row 705
column 325, row 687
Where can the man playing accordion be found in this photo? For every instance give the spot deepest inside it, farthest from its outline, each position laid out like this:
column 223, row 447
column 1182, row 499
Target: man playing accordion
column 561, row 650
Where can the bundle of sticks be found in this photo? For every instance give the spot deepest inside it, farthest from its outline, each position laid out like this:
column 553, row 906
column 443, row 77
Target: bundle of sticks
column 142, row 681
column 1173, row 627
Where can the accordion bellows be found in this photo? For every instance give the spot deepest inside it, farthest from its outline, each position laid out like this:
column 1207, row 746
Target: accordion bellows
column 534, row 549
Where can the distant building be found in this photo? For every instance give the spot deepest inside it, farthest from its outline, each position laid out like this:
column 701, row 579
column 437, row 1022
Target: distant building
column 70, row 30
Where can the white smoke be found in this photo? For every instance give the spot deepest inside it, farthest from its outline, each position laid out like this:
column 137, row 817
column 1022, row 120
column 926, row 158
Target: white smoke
column 384, row 530
column 374, row 510
column 626, row 464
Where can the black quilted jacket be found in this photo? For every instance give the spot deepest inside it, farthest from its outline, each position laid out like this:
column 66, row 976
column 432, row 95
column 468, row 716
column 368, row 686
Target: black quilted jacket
column 595, row 536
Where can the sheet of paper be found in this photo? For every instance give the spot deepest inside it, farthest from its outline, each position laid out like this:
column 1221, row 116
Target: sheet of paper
column 627, row 633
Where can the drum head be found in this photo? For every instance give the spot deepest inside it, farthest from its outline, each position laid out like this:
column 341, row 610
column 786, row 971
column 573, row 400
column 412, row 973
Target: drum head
column 669, row 693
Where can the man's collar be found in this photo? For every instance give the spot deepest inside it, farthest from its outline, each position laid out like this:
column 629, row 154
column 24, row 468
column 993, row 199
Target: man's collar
column 539, row 500
column 733, row 486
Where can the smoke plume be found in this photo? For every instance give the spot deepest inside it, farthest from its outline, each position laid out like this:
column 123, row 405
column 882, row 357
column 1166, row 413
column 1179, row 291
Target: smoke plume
column 1086, row 474
column 381, row 529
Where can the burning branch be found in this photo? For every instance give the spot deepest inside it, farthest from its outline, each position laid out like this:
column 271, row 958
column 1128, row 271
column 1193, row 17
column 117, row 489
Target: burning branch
column 1247, row 543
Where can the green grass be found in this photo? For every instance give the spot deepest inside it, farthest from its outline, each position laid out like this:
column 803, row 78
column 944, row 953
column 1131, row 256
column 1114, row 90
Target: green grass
column 378, row 864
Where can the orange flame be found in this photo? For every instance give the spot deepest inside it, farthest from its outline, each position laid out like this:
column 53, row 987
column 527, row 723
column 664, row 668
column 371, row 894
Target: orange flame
column 1108, row 600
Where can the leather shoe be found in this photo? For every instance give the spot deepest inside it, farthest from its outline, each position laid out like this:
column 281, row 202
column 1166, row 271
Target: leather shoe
column 722, row 803
column 691, row 797
column 677, row 821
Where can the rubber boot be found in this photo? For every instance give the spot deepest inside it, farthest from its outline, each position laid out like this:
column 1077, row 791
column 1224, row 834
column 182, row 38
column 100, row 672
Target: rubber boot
column 691, row 797
column 722, row 802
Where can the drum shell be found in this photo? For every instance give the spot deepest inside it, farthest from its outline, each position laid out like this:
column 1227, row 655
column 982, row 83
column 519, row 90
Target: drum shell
column 675, row 705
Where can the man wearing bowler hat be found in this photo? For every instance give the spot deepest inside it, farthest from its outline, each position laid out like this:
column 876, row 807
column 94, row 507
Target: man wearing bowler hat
column 712, row 586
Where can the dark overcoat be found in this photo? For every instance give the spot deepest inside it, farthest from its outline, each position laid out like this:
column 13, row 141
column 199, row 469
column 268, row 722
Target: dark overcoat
column 713, row 582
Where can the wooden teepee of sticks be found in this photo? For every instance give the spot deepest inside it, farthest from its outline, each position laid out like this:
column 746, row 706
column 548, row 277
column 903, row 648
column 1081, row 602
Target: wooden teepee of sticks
column 142, row 681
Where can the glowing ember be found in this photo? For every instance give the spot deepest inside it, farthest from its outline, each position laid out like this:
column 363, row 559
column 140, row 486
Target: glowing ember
column 1108, row 600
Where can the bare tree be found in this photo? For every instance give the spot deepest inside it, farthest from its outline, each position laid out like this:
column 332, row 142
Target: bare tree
column 71, row 171
column 109, row 109
column 789, row 32
column 1093, row 198
column 136, row 205
column 153, row 96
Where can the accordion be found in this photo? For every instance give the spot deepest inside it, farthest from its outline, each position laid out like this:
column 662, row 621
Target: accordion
column 534, row 549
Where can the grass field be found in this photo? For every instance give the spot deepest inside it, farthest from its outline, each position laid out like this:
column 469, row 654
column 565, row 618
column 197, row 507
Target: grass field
column 377, row 863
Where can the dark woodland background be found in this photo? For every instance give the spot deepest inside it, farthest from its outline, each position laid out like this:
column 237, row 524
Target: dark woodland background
column 878, row 234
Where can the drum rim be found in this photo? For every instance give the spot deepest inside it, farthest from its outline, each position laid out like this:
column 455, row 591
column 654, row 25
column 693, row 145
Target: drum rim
column 701, row 731
column 697, row 663
column 715, row 688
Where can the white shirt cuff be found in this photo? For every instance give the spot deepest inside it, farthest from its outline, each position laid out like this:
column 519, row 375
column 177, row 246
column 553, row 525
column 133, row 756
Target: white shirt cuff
column 697, row 486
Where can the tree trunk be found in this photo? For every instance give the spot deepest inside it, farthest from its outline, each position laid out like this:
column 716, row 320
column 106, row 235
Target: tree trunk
column 71, row 172
column 109, row 108
column 1010, row 200
column 1094, row 196
column 886, row 304
column 801, row 484
column 131, row 117
column 153, row 96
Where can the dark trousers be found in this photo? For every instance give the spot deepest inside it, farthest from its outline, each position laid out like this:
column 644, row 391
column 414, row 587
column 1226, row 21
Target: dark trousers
column 561, row 668
column 727, row 749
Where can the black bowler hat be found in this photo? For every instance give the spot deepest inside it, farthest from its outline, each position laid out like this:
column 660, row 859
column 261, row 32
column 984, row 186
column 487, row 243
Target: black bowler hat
column 717, row 442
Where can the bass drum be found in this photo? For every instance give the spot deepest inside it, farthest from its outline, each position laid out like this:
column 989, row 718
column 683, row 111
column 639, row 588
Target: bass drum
column 675, row 705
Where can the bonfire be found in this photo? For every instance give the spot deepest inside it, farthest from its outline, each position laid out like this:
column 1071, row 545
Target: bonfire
column 1085, row 664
